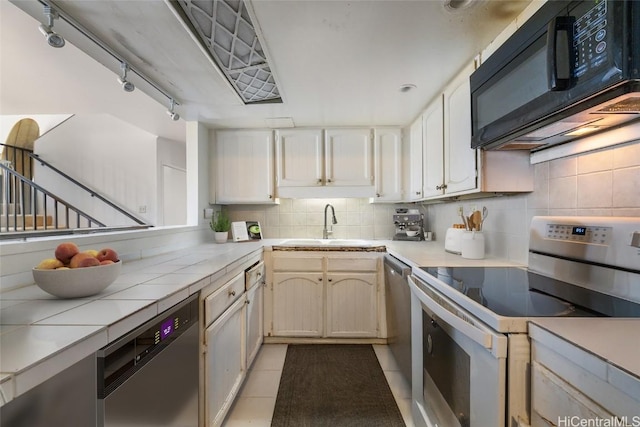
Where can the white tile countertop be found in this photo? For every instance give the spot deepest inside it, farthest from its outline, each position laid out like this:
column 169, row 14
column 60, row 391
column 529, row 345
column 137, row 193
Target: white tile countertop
column 41, row 335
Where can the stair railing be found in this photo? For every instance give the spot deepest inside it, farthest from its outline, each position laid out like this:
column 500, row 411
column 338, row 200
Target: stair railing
column 19, row 191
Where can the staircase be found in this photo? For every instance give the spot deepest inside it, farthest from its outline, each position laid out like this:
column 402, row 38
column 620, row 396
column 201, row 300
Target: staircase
column 28, row 210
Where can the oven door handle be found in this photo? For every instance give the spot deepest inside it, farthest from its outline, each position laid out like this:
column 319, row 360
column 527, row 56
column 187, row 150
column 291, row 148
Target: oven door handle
column 477, row 333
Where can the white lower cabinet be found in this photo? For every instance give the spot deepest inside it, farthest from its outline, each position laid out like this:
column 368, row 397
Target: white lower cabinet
column 573, row 386
column 297, row 304
column 231, row 335
column 224, row 361
column 352, row 305
column 254, row 312
column 324, row 296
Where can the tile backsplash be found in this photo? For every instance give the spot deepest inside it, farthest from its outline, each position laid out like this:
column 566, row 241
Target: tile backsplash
column 600, row 183
column 304, row 218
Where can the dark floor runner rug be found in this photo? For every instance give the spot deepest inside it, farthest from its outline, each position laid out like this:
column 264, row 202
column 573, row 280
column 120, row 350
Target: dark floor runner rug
column 338, row 385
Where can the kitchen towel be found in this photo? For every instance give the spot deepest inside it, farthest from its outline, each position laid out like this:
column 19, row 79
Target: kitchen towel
column 334, row 385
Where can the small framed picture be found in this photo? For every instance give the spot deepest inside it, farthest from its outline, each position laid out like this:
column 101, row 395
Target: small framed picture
column 241, row 231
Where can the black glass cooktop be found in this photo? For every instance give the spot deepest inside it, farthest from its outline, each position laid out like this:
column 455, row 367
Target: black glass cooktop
column 516, row 292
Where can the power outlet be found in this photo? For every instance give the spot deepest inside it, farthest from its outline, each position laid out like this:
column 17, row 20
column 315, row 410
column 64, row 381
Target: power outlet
column 208, row 213
column 142, row 209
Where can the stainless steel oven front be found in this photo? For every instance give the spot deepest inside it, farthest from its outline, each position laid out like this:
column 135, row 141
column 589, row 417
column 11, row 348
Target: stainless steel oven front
column 458, row 364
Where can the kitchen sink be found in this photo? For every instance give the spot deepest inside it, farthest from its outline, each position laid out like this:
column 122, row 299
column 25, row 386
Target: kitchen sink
column 327, row 242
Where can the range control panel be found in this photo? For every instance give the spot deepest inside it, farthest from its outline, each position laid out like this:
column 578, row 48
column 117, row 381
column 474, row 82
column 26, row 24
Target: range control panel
column 598, row 235
column 608, row 241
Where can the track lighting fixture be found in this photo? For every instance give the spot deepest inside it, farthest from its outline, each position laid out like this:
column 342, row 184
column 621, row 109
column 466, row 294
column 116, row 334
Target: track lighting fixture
column 174, row 116
column 127, row 86
column 53, row 39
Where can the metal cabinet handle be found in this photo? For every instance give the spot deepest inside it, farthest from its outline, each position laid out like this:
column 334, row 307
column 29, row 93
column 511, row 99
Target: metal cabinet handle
column 329, row 181
column 320, row 279
column 417, row 193
column 319, row 181
column 330, row 280
column 378, row 195
column 232, row 293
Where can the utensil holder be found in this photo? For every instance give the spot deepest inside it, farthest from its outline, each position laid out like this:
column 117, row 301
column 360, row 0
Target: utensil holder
column 472, row 245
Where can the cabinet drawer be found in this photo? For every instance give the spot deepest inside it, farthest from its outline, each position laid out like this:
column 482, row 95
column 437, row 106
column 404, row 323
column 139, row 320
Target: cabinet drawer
column 352, row 264
column 216, row 303
column 254, row 275
column 297, row 264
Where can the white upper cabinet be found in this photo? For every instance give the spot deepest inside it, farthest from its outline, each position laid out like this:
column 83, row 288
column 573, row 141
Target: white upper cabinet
column 325, row 163
column 349, row 157
column 460, row 164
column 388, row 164
column 433, row 149
column 442, row 163
column 415, row 160
column 244, row 166
column 300, row 155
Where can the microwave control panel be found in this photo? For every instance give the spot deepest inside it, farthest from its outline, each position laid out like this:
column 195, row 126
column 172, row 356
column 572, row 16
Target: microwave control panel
column 590, row 39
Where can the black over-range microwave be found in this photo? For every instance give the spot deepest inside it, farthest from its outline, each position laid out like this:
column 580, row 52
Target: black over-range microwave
column 571, row 69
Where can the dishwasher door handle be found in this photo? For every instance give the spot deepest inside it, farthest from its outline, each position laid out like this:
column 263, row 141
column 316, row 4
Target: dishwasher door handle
column 396, row 266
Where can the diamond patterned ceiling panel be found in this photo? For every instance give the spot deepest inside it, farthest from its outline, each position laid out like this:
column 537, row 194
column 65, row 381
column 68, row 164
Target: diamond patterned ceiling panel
column 225, row 28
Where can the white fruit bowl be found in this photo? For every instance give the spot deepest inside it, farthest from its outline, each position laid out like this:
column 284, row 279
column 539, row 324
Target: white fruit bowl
column 77, row 282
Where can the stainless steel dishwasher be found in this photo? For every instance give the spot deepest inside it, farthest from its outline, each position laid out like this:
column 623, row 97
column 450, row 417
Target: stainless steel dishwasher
column 150, row 376
column 398, row 312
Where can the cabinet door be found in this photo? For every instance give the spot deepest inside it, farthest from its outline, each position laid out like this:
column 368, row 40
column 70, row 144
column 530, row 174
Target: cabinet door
column 225, row 362
column 388, row 165
column 254, row 322
column 415, row 160
column 555, row 399
column 297, row 304
column 460, row 164
column 433, row 149
column 352, row 308
column 349, row 157
column 244, row 167
column 299, row 156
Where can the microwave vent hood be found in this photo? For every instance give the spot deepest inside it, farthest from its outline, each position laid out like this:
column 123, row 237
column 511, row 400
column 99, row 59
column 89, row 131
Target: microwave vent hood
column 571, row 70
column 608, row 115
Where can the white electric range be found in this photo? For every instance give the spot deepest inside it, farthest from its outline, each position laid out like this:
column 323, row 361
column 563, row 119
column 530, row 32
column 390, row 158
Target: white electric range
column 470, row 348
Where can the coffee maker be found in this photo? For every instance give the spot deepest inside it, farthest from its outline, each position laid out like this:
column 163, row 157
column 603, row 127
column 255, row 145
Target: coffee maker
column 410, row 220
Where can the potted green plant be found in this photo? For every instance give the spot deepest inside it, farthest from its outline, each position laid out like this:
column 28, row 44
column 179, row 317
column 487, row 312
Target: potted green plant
column 220, row 224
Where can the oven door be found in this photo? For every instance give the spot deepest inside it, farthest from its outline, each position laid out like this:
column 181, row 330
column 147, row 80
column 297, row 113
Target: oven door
column 458, row 364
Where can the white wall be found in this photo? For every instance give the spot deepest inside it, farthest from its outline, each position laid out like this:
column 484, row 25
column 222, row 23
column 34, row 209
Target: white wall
column 172, row 156
column 108, row 155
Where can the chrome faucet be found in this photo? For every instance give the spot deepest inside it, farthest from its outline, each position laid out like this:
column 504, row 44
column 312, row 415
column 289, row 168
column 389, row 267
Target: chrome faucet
column 325, row 231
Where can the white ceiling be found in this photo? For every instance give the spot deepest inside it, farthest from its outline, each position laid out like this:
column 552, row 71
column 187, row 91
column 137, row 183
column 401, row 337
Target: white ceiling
column 337, row 63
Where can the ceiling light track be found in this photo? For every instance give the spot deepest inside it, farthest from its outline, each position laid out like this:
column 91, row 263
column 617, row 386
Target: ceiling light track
column 57, row 13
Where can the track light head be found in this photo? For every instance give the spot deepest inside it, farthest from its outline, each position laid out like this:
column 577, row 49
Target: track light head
column 127, row 86
column 53, row 39
column 174, row 116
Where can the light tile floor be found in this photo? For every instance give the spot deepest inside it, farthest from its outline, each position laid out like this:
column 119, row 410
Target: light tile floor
column 257, row 399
